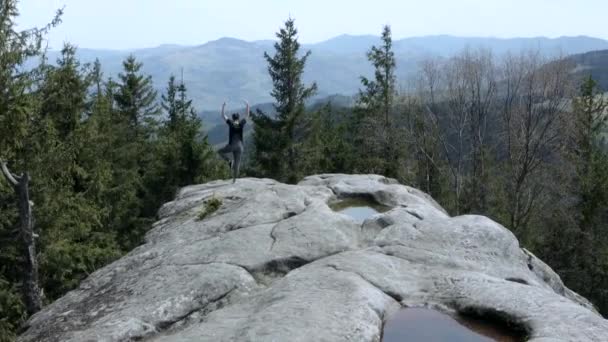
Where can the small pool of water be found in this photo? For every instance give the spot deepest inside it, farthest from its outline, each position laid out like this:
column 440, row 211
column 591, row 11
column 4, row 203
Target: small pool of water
column 358, row 208
column 419, row 324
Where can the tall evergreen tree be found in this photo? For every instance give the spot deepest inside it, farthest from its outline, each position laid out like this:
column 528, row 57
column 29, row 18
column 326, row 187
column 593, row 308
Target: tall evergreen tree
column 376, row 122
column 18, row 115
column 135, row 129
column 185, row 156
column 136, row 97
column 64, row 93
column 177, row 105
column 277, row 139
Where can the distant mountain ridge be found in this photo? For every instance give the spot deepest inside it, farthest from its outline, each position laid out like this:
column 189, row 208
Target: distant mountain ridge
column 594, row 64
column 231, row 69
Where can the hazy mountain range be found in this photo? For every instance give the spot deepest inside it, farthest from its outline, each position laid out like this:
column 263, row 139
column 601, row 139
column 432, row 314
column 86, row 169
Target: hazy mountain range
column 594, row 63
column 232, row 69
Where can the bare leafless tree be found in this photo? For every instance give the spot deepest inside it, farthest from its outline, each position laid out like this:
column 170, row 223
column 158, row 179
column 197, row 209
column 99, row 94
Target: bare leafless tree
column 459, row 96
column 445, row 115
column 420, row 131
column 533, row 110
column 481, row 84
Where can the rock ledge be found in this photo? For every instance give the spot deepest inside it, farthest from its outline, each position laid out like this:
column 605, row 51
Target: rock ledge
column 275, row 263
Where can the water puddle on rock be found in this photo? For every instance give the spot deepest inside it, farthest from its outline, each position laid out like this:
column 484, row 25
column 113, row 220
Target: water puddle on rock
column 358, row 208
column 418, row 324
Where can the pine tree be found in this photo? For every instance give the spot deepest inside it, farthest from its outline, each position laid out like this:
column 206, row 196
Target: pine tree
column 169, row 103
column 375, row 131
column 185, row 156
column 276, row 139
column 134, row 121
column 136, row 97
column 18, row 115
column 198, row 160
column 64, row 93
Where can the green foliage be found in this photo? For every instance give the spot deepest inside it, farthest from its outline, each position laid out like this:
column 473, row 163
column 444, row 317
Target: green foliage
column 135, row 97
column 134, row 126
column 20, row 132
column 184, row 156
column 63, row 93
column 269, row 145
column 375, row 128
column 325, row 147
column 101, row 162
column 277, row 140
column 584, row 222
column 12, row 312
column 378, row 94
column 210, row 206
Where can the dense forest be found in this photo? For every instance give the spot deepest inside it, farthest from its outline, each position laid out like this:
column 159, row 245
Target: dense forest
column 88, row 160
column 100, row 156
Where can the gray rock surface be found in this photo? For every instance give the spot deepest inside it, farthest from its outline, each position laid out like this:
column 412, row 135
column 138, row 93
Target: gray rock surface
column 275, row 263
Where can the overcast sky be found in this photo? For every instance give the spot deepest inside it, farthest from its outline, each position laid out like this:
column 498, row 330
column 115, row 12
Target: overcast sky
column 120, row 24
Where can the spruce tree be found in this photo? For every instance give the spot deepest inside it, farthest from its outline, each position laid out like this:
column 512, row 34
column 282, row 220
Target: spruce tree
column 199, row 162
column 276, row 139
column 135, row 127
column 64, row 93
column 18, row 114
column 136, row 97
column 185, row 156
column 169, row 102
column 375, row 119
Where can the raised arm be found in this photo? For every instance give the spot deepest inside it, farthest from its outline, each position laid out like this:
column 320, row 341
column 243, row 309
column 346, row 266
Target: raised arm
column 247, row 110
column 224, row 115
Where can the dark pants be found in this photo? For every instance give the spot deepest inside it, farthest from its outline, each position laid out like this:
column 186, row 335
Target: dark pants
column 236, row 148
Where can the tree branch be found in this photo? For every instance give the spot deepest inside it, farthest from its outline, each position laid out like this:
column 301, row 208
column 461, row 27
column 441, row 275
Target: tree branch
column 9, row 176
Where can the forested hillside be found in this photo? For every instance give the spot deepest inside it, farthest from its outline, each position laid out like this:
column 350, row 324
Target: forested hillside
column 593, row 63
column 99, row 155
column 231, row 69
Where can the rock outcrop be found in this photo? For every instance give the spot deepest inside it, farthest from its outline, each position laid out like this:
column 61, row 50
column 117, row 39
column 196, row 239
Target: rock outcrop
column 275, row 263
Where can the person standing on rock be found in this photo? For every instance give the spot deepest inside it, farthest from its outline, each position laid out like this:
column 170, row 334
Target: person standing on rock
column 235, row 140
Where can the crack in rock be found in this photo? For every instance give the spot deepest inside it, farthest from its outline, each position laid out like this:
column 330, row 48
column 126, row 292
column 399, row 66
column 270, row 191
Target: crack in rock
column 166, row 325
column 517, row 280
column 274, row 238
column 395, row 296
column 288, row 215
column 237, row 225
column 415, row 214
